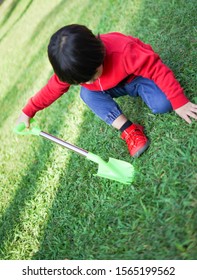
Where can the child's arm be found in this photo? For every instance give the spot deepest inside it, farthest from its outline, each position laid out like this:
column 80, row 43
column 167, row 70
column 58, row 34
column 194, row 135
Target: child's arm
column 145, row 62
column 43, row 98
column 46, row 96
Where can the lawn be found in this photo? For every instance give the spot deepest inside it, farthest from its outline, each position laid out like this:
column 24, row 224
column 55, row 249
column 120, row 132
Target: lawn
column 52, row 207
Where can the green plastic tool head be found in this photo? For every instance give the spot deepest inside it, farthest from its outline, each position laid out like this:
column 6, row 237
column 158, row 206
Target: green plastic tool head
column 114, row 169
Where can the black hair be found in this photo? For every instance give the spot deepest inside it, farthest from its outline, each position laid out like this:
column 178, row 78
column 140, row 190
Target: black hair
column 75, row 53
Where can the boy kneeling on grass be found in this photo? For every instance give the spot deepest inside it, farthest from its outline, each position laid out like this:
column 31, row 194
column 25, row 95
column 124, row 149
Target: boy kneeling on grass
column 108, row 66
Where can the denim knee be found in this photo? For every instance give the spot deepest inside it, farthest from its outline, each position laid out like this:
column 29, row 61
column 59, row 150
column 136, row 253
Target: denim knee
column 162, row 108
column 150, row 93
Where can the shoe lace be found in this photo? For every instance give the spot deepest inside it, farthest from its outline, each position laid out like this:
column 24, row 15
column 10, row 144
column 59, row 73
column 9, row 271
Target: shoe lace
column 133, row 138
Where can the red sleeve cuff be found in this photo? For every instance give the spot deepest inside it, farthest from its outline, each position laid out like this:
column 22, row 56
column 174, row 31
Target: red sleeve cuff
column 179, row 101
column 29, row 109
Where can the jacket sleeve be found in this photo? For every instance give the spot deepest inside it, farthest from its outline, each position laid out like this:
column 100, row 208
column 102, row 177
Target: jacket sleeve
column 46, row 96
column 143, row 61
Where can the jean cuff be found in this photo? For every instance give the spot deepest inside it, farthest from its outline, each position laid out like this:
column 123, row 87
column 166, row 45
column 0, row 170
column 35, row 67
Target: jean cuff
column 114, row 114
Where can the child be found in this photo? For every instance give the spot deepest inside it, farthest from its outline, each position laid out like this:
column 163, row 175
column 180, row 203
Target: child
column 108, row 66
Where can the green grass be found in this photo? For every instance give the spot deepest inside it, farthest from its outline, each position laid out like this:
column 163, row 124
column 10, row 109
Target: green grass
column 51, row 205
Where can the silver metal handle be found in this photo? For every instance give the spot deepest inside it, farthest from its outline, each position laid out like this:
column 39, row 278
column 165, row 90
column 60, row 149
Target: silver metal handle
column 64, row 144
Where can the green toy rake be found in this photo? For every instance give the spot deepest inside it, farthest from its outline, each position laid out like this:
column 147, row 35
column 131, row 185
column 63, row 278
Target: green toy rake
column 114, row 169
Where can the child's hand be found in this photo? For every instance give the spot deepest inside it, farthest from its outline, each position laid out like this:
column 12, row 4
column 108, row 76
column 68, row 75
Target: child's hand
column 23, row 118
column 186, row 111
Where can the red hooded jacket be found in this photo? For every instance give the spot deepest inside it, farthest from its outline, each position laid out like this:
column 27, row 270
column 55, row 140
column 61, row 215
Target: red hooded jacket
column 126, row 57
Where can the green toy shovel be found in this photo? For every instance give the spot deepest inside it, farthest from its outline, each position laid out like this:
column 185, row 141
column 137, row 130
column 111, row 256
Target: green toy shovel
column 114, row 169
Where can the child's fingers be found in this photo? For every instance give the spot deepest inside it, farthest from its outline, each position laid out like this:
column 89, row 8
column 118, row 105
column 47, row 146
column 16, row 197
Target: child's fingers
column 27, row 124
column 193, row 115
column 186, row 118
column 194, row 108
column 193, row 111
column 187, row 111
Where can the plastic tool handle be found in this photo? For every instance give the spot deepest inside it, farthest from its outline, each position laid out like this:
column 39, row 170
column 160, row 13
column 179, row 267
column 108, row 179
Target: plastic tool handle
column 21, row 129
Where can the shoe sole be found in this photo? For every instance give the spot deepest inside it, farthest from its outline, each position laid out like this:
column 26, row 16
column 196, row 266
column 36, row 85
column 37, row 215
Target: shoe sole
column 136, row 155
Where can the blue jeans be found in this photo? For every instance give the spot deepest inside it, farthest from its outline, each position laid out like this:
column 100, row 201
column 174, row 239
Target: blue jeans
column 103, row 105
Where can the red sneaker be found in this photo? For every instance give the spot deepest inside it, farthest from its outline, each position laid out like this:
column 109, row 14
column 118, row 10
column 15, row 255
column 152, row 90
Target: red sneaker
column 136, row 140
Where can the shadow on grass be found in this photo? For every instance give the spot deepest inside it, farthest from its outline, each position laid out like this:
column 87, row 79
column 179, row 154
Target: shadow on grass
column 27, row 186
column 8, row 15
column 10, row 11
column 45, row 22
column 9, row 102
